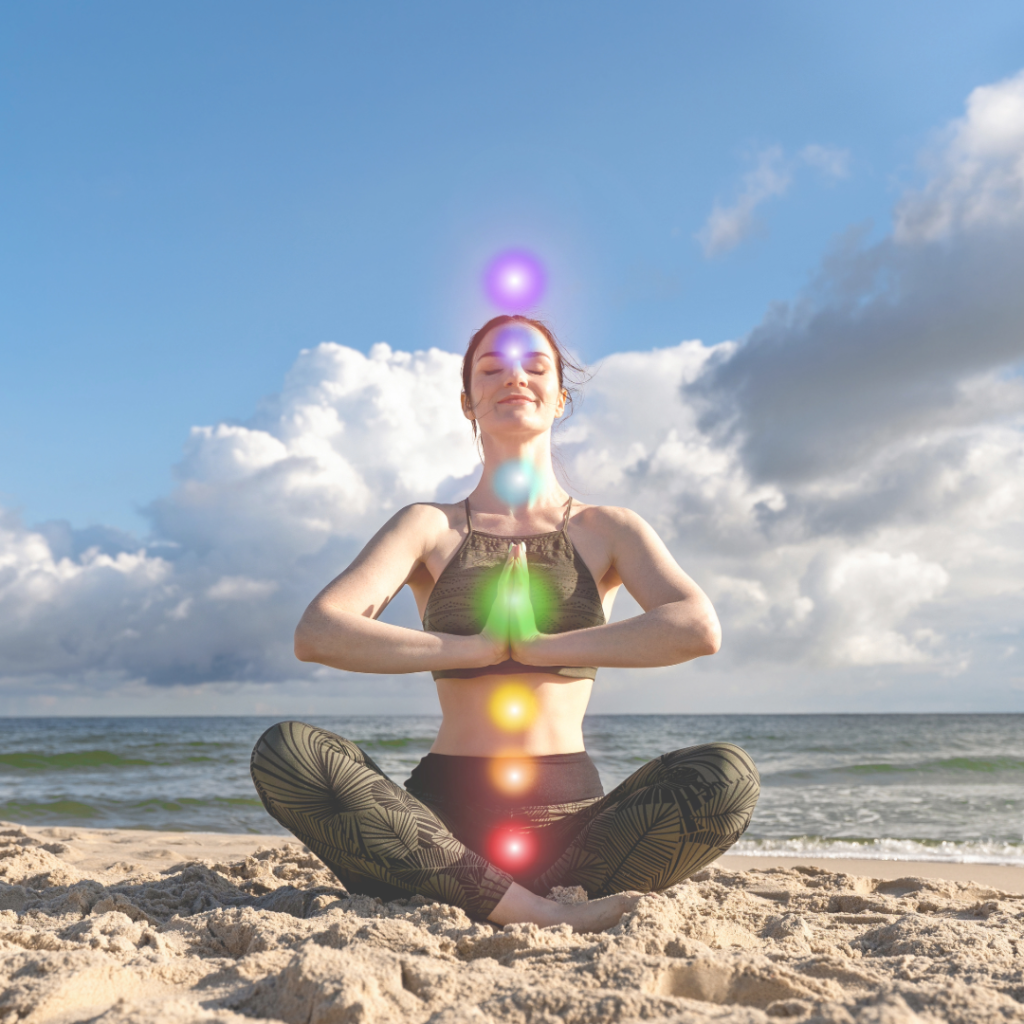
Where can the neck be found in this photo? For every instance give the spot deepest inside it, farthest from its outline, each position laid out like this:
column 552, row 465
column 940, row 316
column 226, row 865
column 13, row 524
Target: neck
column 504, row 458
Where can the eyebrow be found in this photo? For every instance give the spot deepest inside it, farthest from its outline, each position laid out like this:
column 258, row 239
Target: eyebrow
column 526, row 355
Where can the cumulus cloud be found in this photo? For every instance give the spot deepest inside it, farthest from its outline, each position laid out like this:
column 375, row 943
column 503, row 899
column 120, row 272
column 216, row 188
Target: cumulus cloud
column 263, row 515
column 886, row 404
column 846, row 483
column 877, row 567
column 907, row 339
column 771, row 176
column 977, row 173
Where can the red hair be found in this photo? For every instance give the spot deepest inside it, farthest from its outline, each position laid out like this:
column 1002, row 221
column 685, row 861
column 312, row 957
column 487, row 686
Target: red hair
column 568, row 369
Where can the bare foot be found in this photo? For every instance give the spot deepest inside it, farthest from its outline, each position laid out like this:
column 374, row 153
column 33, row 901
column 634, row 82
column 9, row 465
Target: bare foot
column 600, row 915
column 520, row 906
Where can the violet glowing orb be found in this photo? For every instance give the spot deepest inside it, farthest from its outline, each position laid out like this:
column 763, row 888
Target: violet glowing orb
column 514, row 280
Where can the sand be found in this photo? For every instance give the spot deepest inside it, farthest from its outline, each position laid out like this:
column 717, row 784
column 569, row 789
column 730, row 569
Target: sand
column 123, row 926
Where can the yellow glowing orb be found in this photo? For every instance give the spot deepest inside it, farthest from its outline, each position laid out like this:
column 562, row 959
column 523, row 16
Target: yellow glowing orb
column 512, row 707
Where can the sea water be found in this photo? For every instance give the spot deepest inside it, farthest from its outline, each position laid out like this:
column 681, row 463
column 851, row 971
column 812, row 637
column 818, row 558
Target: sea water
column 911, row 787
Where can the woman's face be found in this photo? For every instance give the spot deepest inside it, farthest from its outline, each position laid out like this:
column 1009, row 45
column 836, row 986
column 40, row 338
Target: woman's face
column 514, row 383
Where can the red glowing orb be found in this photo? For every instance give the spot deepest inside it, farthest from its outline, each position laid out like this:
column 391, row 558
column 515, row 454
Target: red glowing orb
column 511, row 848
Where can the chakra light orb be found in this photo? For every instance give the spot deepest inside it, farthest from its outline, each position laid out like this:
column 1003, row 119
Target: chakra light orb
column 511, row 775
column 513, row 342
column 515, row 280
column 511, row 847
column 512, row 707
column 517, row 482
column 544, row 597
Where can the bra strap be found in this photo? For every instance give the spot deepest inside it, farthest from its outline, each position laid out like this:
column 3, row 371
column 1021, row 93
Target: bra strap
column 565, row 521
column 469, row 518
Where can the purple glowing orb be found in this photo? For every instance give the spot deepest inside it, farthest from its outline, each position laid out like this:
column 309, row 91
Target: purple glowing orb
column 514, row 280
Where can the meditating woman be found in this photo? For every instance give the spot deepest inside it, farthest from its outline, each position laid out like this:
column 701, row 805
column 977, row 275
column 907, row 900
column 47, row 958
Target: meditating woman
column 514, row 586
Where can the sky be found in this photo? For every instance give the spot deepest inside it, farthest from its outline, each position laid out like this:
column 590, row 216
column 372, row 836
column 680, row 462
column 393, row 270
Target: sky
column 242, row 246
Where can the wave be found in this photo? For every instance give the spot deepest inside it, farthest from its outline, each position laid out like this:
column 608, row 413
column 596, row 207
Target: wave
column 394, row 743
column 949, row 764
column 942, row 771
column 189, row 802
column 934, row 851
column 133, row 811
column 22, row 810
column 38, row 761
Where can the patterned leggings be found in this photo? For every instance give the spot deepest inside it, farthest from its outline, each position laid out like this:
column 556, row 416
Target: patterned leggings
column 667, row 820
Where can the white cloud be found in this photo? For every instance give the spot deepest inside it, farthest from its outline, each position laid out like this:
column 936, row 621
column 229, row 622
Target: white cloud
column 238, row 588
column 846, row 484
column 867, row 568
column 727, row 226
column 977, row 176
column 829, row 160
column 814, row 576
column 264, row 515
column 771, row 176
column 875, row 590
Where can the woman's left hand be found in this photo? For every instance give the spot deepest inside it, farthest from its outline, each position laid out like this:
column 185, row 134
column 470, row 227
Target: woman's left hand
column 524, row 636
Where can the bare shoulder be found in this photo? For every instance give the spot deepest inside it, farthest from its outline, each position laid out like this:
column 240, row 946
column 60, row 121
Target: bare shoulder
column 428, row 514
column 621, row 547
column 439, row 516
column 610, row 521
column 427, row 520
column 415, row 529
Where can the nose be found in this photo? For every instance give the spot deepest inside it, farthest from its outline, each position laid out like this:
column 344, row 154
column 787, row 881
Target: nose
column 514, row 373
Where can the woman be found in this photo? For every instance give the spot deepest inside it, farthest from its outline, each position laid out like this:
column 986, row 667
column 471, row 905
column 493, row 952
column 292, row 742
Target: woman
column 514, row 586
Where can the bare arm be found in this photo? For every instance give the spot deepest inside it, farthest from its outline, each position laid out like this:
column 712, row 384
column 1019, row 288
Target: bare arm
column 340, row 627
column 678, row 622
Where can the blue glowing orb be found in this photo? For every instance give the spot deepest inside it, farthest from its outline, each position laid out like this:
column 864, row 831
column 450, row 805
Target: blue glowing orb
column 514, row 280
column 517, row 482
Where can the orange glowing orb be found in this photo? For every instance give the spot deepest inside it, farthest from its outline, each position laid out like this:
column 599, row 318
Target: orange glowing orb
column 511, row 775
column 513, row 707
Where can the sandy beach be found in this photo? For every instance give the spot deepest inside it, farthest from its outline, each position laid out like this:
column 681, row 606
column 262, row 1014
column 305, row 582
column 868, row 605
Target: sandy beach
column 116, row 925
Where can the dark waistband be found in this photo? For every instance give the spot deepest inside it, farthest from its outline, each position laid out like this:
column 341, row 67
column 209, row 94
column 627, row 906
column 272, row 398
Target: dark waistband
column 449, row 780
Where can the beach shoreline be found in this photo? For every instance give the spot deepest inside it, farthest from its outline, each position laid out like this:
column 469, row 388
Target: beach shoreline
column 98, row 847
column 124, row 926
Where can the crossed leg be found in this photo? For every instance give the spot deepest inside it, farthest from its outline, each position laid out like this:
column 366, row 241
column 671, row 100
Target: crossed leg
column 377, row 838
column 669, row 819
column 666, row 821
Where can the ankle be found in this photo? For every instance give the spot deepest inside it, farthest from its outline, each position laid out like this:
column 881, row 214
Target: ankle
column 521, row 906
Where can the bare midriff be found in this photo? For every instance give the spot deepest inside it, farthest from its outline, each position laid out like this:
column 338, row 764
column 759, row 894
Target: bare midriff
column 532, row 714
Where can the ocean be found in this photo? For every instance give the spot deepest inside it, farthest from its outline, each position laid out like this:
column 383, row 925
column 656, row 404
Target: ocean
column 895, row 787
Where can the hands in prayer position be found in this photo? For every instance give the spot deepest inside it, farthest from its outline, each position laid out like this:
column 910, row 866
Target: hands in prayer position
column 511, row 625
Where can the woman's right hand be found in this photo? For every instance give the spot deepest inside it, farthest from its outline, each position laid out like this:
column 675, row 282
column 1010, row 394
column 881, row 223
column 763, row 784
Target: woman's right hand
column 497, row 628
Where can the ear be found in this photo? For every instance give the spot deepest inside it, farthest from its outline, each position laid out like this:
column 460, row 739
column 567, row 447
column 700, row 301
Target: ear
column 560, row 404
column 467, row 409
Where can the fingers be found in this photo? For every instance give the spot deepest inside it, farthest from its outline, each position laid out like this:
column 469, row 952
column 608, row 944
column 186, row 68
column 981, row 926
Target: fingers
column 517, row 552
column 506, row 570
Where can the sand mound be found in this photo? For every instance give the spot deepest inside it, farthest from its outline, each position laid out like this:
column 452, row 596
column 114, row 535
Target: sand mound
column 273, row 937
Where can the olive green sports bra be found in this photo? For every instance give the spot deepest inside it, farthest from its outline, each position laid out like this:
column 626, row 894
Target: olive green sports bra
column 562, row 591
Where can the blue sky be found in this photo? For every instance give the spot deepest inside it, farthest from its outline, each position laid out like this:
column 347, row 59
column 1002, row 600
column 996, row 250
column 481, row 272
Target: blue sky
column 193, row 192
column 790, row 235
